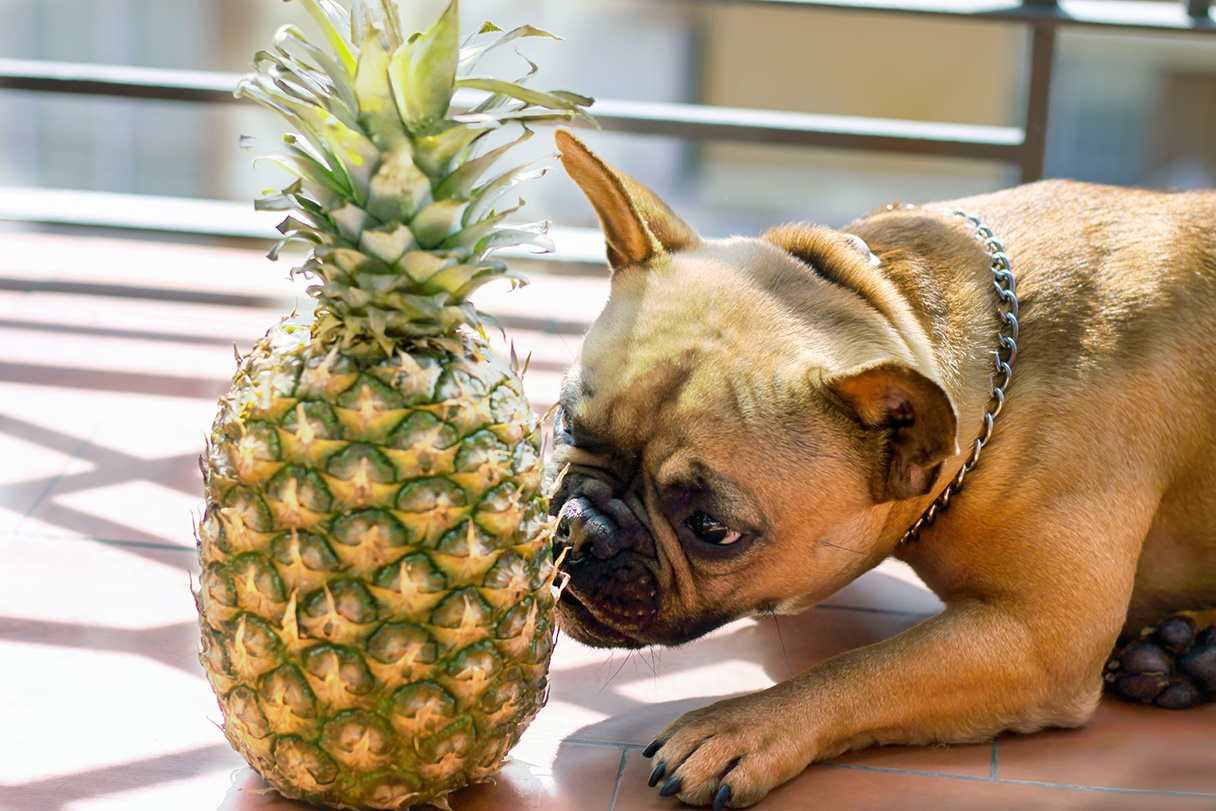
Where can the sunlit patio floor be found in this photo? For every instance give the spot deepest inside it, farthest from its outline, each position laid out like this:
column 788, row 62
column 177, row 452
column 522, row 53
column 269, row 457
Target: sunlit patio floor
column 112, row 352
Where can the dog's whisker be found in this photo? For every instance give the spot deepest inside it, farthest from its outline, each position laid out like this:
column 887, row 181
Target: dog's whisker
column 789, row 670
column 616, row 672
column 653, row 661
column 844, row 548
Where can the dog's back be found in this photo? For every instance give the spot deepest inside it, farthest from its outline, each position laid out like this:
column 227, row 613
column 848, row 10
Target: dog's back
column 1118, row 317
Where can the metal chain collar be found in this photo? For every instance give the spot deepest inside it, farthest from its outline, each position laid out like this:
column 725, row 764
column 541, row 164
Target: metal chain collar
column 1004, row 356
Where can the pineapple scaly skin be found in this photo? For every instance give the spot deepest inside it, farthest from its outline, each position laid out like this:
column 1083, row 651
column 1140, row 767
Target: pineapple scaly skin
column 376, row 588
column 376, row 597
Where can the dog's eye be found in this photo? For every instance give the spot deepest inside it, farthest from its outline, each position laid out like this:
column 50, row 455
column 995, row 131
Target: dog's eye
column 710, row 529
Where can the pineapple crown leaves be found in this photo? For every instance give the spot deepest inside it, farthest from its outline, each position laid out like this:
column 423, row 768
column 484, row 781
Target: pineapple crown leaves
column 392, row 192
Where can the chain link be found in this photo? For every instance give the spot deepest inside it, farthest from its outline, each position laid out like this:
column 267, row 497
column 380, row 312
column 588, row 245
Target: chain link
column 1004, row 355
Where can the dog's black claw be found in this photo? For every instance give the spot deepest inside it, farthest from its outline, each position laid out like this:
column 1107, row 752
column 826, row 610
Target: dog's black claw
column 1176, row 633
column 722, row 797
column 1200, row 664
column 1141, row 686
column 652, row 747
column 657, row 774
column 1181, row 694
column 671, row 787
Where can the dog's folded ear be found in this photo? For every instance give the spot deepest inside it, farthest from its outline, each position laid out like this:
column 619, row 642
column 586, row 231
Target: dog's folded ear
column 910, row 420
column 637, row 225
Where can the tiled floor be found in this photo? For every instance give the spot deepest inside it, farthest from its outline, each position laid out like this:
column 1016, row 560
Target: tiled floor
column 103, row 402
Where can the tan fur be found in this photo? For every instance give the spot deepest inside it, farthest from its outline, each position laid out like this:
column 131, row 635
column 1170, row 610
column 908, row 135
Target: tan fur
column 1093, row 509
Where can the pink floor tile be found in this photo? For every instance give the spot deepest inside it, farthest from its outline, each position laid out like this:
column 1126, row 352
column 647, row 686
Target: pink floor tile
column 855, row 789
column 630, row 697
column 142, row 481
column 1124, row 746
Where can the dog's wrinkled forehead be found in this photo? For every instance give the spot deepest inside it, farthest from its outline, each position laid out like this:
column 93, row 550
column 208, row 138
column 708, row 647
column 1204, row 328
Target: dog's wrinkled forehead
column 670, row 336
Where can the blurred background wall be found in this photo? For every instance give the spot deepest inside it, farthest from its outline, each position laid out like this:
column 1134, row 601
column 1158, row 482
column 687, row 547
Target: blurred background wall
column 1125, row 108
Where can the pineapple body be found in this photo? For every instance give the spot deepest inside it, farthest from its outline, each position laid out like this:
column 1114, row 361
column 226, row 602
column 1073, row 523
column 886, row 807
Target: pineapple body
column 376, row 590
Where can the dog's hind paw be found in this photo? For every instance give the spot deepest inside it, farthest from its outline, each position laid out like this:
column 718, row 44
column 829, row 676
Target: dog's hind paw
column 1172, row 665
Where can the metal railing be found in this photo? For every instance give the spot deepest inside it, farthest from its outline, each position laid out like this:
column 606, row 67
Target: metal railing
column 1023, row 147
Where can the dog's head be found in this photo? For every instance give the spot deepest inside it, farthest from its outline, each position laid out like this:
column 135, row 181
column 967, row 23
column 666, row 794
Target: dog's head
column 742, row 413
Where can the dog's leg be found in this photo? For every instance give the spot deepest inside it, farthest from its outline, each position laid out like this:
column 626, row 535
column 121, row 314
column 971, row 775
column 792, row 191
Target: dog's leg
column 1172, row 664
column 1020, row 647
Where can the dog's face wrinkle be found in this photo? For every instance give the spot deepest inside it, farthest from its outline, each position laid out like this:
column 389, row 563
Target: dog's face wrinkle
column 677, row 558
column 680, row 560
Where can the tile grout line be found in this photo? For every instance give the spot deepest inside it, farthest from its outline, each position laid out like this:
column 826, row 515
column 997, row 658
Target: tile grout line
column 968, row 778
column 1144, row 792
column 863, row 767
column 616, row 785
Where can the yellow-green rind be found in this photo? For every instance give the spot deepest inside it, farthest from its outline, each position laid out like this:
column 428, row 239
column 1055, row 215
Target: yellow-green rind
column 376, row 595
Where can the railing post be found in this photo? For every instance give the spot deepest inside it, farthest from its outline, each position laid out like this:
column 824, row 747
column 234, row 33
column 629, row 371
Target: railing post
column 1038, row 99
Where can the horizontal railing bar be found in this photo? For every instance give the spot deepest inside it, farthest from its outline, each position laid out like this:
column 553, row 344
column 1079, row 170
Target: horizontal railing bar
column 539, row 322
column 1114, row 15
column 217, row 218
column 86, row 79
column 983, row 142
column 691, row 121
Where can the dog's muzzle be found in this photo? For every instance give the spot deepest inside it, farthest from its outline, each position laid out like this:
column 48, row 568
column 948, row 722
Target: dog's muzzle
column 609, row 553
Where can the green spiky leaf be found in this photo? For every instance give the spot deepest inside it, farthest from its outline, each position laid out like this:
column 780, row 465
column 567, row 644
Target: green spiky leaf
column 289, row 39
column 375, row 95
column 435, row 153
column 423, row 72
column 393, row 191
column 326, row 13
column 460, row 184
column 554, row 100
column 469, row 57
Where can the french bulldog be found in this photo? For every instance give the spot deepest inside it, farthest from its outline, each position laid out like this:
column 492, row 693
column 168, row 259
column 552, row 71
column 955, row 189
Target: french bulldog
column 754, row 422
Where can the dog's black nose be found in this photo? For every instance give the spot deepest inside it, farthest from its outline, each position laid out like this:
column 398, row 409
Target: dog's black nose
column 587, row 531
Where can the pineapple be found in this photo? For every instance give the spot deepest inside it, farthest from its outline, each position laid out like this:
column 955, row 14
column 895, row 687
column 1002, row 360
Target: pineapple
column 376, row 593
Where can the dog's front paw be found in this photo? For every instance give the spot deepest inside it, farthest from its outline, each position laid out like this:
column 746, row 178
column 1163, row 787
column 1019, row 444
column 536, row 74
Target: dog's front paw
column 730, row 754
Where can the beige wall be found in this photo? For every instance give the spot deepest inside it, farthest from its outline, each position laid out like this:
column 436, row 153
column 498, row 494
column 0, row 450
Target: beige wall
column 851, row 63
column 854, row 63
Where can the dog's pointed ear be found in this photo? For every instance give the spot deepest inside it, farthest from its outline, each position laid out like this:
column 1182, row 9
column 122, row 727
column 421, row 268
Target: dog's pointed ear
column 637, row 225
column 912, row 423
